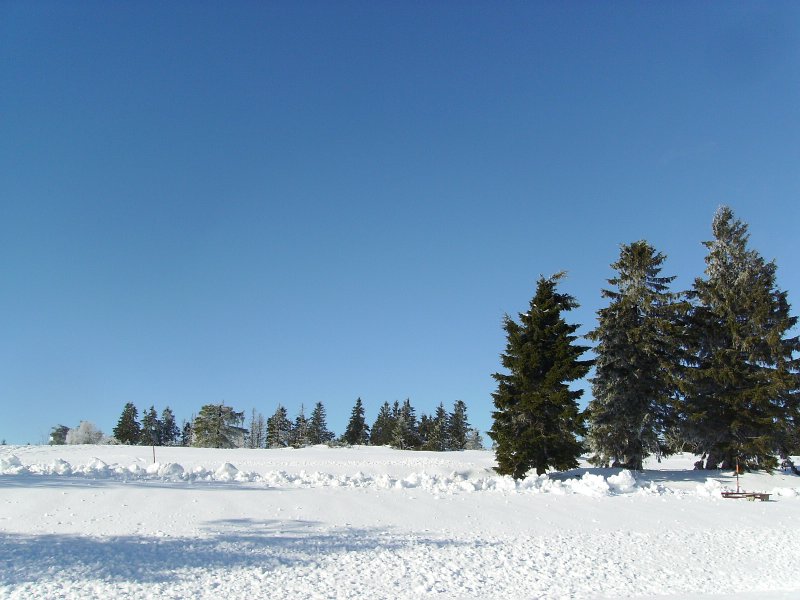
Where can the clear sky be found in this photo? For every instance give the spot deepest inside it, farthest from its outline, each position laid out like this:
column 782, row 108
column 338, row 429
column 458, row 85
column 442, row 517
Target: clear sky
column 293, row 202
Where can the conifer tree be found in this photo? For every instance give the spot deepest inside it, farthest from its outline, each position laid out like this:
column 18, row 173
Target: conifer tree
column 405, row 435
column 741, row 387
column 217, row 426
column 279, row 429
column 537, row 419
column 318, row 432
column 635, row 382
column 458, row 426
column 128, row 430
column 58, row 435
column 169, row 428
column 357, row 431
column 437, row 437
column 299, row 437
column 382, row 429
column 151, row 428
column 186, row 432
column 474, row 440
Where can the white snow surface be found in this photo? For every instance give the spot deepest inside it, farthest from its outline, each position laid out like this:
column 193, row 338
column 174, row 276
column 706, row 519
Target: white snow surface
column 110, row 522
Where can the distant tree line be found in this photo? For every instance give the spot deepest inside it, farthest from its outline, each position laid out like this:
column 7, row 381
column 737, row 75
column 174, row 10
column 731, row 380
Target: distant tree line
column 220, row 426
column 712, row 370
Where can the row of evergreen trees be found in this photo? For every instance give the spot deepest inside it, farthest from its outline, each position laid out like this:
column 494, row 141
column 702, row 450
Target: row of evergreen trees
column 220, row 426
column 713, row 369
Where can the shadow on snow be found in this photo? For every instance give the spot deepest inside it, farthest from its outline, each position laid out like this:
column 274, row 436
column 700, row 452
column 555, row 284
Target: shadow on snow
column 228, row 544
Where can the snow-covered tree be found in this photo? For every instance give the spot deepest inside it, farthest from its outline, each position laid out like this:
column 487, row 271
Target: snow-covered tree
column 218, row 426
column 84, row 433
column 437, row 435
column 279, row 429
column 741, row 389
column 405, row 435
column 257, row 436
column 638, row 360
column 300, row 436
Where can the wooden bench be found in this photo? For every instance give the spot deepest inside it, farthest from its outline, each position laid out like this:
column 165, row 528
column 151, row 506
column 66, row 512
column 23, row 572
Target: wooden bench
column 751, row 496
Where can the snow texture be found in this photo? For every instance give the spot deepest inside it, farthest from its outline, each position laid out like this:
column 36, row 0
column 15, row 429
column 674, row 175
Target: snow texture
column 106, row 521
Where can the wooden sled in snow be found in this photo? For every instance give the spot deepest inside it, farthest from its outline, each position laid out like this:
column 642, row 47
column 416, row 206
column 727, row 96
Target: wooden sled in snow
column 751, row 496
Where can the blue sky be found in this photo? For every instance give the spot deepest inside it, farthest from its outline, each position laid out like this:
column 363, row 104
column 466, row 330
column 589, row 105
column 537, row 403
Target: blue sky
column 264, row 203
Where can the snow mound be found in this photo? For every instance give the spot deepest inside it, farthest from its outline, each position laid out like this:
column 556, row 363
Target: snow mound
column 710, row 489
column 623, row 482
column 60, row 467
column 11, row 465
column 226, row 472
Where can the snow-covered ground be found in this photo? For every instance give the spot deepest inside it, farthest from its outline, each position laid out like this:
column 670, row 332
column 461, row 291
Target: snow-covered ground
column 105, row 522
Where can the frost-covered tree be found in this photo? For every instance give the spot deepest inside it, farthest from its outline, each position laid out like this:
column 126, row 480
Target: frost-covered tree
column 537, row 420
column 357, row 431
column 474, row 440
column 318, row 432
column 218, row 426
column 637, row 361
column 299, row 437
column 741, row 388
column 257, row 436
column 128, row 430
column 279, row 429
column 170, row 433
column 84, row 433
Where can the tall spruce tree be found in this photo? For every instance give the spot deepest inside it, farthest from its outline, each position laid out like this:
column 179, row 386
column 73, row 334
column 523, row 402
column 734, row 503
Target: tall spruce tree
column 357, row 431
column 741, row 388
column 638, row 359
column 300, row 437
column 437, row 437
column 151, row 428
column 217, row 426
column 458, row 426
column 318, row 432
column 537, row 420
column 405, row 435
column 128, row 430
column 169, row 428
column 381, row 432
column 279, row 429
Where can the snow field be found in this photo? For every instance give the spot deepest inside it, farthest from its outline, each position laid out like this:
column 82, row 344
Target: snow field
column 92, row 522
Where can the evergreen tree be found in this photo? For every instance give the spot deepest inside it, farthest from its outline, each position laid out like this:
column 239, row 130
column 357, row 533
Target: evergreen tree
column 474, row 440
column 741, row 388
column 381, row 433
column 537, row 417
column 299, row 437
column 279, row 429
column 151, row 428
column 218, row 426
column 437, row 437
column 169, row 428
column 128, row 430
column 635, row 382
column 58, row 435
column 186, row 432
column 318, row 432
column 458, row 426
column 357, row 431
column 405, row 435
